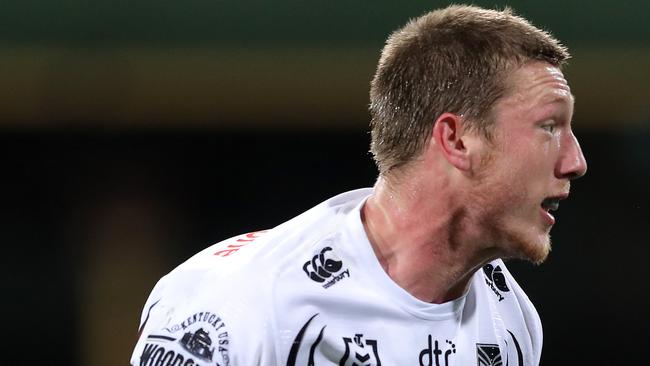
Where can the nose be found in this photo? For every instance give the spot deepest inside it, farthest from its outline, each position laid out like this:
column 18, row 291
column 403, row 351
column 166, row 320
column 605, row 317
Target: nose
column 572, row 163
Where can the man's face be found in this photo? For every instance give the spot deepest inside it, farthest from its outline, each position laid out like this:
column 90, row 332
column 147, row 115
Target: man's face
column 533, row 156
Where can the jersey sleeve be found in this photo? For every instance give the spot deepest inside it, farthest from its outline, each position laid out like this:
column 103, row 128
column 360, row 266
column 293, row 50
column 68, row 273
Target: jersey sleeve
column 152, row 300
column 208, row 311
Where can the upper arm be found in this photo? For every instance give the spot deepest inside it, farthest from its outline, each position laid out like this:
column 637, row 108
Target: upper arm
column 207, row 320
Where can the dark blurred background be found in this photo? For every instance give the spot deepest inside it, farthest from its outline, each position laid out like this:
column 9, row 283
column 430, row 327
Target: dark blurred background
column 135, row 133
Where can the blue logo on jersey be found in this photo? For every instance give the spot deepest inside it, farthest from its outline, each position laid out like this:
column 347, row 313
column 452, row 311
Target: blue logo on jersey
column 488, row 355
column 204, row 339
column 496, row 280
column 324, row 266
column 433, row 353
column 359, row 352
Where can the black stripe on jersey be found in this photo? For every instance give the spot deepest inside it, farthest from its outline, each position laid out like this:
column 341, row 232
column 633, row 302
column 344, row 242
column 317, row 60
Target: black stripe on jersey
column 161, row 337
column 313, row 347
column 148, row 313
column 520, row 356
column 293, row 354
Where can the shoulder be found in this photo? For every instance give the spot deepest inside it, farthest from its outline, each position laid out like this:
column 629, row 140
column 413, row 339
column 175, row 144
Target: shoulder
column 225, row 294
column 255, row 254
column 194, row 313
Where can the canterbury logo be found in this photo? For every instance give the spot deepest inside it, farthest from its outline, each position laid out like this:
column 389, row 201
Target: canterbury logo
column 322, row 266
column 496, row 280
column 496, row 276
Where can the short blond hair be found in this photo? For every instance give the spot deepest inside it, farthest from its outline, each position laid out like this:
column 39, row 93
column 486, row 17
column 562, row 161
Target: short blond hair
column 455, row 60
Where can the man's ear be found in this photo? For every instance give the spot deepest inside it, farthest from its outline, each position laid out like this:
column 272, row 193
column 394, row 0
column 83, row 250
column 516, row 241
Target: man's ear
column 448, row 135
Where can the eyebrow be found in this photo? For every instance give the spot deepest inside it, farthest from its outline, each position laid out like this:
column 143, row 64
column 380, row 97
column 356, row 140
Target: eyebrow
column 555, row 98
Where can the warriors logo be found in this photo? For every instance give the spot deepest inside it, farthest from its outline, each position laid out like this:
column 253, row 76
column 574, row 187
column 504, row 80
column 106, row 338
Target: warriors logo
column 488, row 355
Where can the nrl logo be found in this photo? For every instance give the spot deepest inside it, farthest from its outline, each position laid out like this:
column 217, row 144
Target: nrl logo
column 359, row 352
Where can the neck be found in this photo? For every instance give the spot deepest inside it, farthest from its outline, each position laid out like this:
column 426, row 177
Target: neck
column 424, row 242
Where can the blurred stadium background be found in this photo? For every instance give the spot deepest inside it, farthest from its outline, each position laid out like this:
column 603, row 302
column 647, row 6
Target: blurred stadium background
column 135, row 133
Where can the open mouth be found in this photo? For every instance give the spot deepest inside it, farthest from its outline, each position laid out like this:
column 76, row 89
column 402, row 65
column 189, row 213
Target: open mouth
column 551, row 203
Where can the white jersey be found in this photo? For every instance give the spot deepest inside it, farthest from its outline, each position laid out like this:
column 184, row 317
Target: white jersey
column 311, row 292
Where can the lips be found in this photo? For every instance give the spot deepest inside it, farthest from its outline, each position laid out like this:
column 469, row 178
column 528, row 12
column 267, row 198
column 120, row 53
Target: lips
column 551, row 203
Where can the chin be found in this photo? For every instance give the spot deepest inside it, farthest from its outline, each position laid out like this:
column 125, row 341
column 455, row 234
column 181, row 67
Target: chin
column 535, row 251
column 527, row 246
column 518, row 238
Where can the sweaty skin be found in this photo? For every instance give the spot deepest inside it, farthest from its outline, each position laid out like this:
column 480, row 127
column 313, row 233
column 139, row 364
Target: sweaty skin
column 466, row 201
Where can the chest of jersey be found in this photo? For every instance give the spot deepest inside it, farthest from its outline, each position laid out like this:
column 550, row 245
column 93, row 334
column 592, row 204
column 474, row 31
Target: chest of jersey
column 373, row 331
column 335, row 341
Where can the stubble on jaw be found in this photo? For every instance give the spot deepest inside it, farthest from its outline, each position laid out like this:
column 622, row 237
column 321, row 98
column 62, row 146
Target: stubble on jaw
column 512, row 239
column 490, row 204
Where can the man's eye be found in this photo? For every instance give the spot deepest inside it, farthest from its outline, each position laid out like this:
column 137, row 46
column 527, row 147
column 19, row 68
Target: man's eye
column 549, row 127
